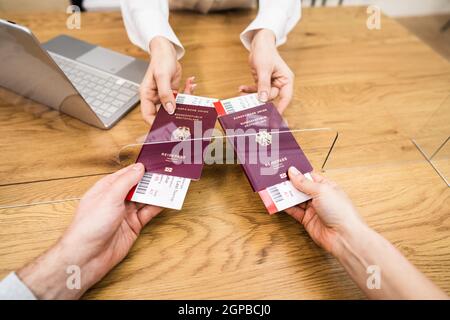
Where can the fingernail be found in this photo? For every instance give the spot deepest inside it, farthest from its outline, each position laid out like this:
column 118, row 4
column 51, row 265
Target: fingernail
column 294, row 171
column 138, row 166
column 170, row 108
column 263, row 96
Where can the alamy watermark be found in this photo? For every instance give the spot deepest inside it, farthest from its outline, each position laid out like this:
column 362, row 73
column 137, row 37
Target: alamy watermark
column 73, row 281
column 253, row 147
column 374, row 19
column 74, row 19
column 374, row 278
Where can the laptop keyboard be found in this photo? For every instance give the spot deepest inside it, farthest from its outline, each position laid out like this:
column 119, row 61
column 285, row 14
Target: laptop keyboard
column 106, row 94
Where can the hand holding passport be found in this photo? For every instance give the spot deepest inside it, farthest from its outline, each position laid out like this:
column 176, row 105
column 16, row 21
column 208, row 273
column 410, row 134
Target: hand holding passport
column 166, row 181
column 265, row 147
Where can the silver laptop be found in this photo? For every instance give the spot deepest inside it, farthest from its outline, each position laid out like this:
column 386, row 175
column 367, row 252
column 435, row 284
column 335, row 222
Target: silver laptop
column 91, row 83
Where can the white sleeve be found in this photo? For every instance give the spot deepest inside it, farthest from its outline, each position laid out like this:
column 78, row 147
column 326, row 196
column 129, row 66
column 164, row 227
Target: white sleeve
column 146, row 19
column 279, row 16
column 12, row 288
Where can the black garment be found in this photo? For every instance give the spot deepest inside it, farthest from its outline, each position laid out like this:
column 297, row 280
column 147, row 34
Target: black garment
column 78, row 3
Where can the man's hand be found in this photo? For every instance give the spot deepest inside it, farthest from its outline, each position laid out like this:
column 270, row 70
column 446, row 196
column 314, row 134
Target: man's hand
column 333, row 223
column 329, row 216
column 273, row 78
column 162, row 78
column 102, row 232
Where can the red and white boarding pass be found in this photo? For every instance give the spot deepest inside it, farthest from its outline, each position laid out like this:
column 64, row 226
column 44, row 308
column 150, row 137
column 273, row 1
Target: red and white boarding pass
column 164, row 190
column 279, row 196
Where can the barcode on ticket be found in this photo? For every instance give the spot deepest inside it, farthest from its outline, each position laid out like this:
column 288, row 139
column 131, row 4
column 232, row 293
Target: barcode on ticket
column 228, row 106
column 282, row 196
column 238, row 104
column 144, row 183
column 275, row 193
column 161, row 190
column 195, row 100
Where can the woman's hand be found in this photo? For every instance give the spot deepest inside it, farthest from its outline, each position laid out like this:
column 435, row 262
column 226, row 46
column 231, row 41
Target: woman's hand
column 329, row 216
column 162, row 80
column 273, row 78
column 375, row 265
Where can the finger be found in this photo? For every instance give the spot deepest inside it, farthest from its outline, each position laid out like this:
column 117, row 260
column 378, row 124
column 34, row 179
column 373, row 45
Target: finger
column 244, row 89
column 148, row 97
column 248, row 89
column 188, row 84
column 116, row 174
column 324, row 180
column 302, row 183
column 127, row 180
column 264, row 83
column 189, row 89
column 165, row 93
column 318, row 177
column 110, row 178
column 138, row 205
column 286, row 93
column 296, row 212
column 176, row 78
column 147, row 213
column 148, row 110
column 274, row 92
column 310, row 215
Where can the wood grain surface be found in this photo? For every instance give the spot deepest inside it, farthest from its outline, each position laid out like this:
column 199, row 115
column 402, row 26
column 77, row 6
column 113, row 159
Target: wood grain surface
column 376, row 88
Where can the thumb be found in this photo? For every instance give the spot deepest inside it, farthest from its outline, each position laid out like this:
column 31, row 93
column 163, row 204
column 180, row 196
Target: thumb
column 264, row 83
column 302, row 183
column 127, row 180
column 165, row 93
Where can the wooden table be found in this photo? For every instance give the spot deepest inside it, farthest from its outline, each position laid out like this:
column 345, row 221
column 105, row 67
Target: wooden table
column 375, row 87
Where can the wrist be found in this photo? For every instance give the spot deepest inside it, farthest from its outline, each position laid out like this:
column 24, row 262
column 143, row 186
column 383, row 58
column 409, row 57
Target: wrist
column 264, row 37
column 351, row 240
column 159, row 43
column 54, row 275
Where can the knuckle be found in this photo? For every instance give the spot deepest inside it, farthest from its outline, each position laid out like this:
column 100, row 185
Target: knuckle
column 164, row 95
column 103, row 184
column 323, row 188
